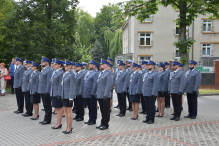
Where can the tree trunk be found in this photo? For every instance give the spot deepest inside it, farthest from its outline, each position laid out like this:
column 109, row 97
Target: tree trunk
column 182, row 32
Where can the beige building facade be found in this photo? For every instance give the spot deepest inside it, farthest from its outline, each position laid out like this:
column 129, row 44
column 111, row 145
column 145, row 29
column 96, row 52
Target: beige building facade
column 154, row 38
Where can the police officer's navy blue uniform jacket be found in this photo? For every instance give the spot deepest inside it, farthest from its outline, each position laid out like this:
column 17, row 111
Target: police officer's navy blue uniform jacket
column 163, row 83
column 34, row 82
column 26, row 79
column 44, row 80
column 193, row 81
column 120, row 84
column 68, row 85
column 127, row 77
column 150, row 83
column 56, row 80
column 104, row 84
column 90, row 81
column 177, row 82
column 18, row 75
column 80, row 82
column 135, row 83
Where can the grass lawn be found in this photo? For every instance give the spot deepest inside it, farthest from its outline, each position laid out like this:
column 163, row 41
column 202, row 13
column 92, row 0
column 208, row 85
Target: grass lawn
column 208, row 91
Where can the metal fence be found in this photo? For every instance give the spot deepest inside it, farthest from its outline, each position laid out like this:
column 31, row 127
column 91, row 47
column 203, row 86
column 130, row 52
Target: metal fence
column 205, row 66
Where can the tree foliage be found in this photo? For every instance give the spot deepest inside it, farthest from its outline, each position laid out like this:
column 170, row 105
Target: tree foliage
column 97, row 51
column 42, row 28
column 189, row 10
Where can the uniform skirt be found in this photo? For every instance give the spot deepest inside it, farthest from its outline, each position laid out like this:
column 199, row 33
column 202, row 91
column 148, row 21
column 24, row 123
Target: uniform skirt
column 161, row 95
column 66, row 103
column 56, row 103
column 34, row 99
column 134, row 98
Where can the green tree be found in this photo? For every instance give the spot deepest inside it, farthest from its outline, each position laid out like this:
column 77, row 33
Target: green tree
column 103, row 22
column 85, row 27
column 188, row 11
column 97, row 51
column 42, row 28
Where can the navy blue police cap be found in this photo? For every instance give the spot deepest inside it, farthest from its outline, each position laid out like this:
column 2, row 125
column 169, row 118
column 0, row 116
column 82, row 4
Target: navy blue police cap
column 45, row 59
column 35, row 64
column 110, row 59
column 27, row 61
column 151, row 62
column 192, row 62
column 93, row 62
column 18, row 59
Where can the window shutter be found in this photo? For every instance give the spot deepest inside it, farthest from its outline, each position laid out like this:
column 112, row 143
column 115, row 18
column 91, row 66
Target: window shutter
column 202, row 27
column 174, row 31
column 213, row 29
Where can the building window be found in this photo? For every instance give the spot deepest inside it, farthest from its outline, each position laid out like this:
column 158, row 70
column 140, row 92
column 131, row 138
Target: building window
column 206, row 49
column 145, row 58
column 148, row 19
column 207, row 25
column 145, row 39
column 176, row 53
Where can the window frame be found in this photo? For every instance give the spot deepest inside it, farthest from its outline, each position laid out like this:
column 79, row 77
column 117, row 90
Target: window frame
column 146, row 20
column 175, row 49
column 139, row 60
column 206, row 51
column 145, row 38
column 206, row 25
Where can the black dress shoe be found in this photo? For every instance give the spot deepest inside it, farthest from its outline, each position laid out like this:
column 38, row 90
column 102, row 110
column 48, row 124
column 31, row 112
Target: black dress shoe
column 15, row 111
column 141, row 112
column 28, row 115
column 188, row 116
column 193, row 117
column 98, row 127
column 60, row 126
column 41, row 122
column 167, row 106
column 86, row 122
column 150, row 122
column 135, row 118
column 80, row 119
column 177, row 118
column 173, row 118
column 145, row 121
column 132, row 118
column 46, row 122
column 35, row 118
column 121, row 115
column 116, row 106
column 103, row 128
column 23, row 114
column 157, row 110
column 158, row 116
column 19, row 112
column 68, row 132
column 130, row 109
column 75, row 118
column 43, row 109
column 145, row 113
column 118, row 114
column 91, row 123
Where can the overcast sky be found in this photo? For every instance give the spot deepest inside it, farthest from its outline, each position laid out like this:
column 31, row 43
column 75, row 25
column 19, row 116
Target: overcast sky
column 93, row 6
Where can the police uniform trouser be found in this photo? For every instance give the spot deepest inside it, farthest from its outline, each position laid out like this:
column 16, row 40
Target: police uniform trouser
column 105, row 111
column 143, row 103
column 20, row 99
column 167, row 100
column 80, row 108
column 75, row 105
column 150, row 107
column 177, row 104
column 192, row 104
column 92, row 107
column 122, row 101
column 28, row 105
column 47, row 107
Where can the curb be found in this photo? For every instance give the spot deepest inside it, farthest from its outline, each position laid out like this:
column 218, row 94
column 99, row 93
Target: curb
column 211, row 94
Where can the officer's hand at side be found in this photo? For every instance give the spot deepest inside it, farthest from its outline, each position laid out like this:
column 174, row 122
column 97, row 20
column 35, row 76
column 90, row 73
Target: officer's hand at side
column 79, row 95
column 58, row 98
column 180, row 93
column 19, row 88
column 35, row 93
column 194, row 92
column 105, row 98
column 47, row 94
column 92, row 96
column 71, row 101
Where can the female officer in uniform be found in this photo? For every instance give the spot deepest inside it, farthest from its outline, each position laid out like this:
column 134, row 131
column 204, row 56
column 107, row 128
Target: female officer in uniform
column 68, row 94
column 55, row 92
column 33, row 88
column 162, row 91
column 113, row 76
column 135, row 90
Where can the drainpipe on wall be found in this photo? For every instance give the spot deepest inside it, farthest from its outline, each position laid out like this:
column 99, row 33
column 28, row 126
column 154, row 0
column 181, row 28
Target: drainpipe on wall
column 192, row 37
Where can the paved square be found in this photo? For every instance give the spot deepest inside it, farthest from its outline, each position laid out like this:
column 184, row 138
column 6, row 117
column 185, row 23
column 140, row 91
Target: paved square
column 18, row 130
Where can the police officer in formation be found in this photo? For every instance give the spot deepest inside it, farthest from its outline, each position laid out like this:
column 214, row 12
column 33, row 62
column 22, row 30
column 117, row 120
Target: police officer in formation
column 18, row 75
column 77, row 84
column 55, row 91
column 142, row 72
column 44, row 89
column 121, row 89
column 89, row 92
column 193, row 81
column 167, row 97
column 177, row 85
column 79, row 91
column 25, row 88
